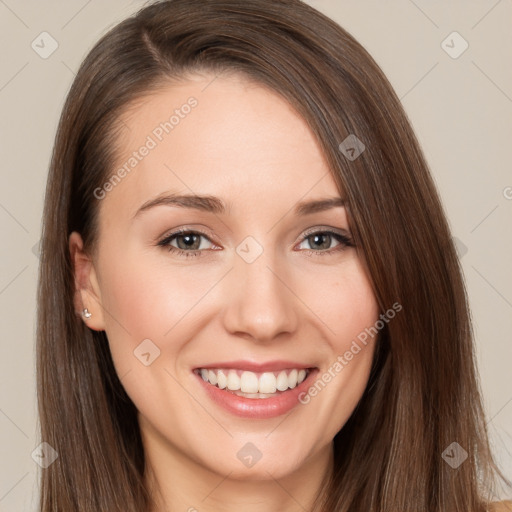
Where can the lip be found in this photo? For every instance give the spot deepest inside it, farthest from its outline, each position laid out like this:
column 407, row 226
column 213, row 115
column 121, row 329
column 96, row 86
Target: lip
column 257, row 408
column 253, row 366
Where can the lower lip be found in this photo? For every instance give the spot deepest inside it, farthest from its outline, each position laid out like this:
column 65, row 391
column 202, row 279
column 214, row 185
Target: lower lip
column 257, row 408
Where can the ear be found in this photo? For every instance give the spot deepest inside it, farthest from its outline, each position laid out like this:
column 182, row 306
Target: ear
column 87, row 290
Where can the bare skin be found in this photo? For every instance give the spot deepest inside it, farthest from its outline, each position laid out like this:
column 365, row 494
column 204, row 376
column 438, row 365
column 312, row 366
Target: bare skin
column 301, row 300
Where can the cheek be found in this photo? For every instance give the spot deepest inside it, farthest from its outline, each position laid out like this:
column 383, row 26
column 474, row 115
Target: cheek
column 147, row 300
column 149, row 297
column 349, row 311
column 343, row 301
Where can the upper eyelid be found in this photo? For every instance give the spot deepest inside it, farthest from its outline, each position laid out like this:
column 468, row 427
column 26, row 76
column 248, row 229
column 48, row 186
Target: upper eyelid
column 325, row 229
column 174, row 234
column 182, row 231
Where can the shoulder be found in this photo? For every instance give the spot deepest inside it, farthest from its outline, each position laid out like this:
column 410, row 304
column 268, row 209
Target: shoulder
column 500, row 506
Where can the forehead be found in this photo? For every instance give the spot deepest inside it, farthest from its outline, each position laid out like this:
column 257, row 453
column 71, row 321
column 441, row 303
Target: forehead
column 225, row 136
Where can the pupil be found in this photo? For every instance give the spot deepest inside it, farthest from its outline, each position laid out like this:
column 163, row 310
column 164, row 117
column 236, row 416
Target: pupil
column 188, row 241
column 318, row 240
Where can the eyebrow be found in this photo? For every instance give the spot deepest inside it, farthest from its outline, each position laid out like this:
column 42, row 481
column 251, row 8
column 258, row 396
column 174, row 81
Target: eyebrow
column 213, row 204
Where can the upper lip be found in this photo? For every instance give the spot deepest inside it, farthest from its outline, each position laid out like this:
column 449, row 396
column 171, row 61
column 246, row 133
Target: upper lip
column 253, row 366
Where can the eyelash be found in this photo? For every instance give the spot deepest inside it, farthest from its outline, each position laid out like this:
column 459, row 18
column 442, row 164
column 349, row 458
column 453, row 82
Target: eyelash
column 344, row 241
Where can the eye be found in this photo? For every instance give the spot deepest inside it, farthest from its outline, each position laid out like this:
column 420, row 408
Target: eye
column 321, row 242
column 186, row 242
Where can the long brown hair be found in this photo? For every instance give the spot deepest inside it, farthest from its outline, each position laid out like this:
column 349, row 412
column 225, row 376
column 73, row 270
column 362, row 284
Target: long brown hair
column 423, row 391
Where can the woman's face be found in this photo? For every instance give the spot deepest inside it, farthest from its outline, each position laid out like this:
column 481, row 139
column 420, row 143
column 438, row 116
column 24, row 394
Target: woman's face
column 263, row 284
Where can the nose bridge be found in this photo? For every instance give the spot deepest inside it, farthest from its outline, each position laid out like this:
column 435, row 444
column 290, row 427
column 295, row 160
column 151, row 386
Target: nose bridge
column 260, row 305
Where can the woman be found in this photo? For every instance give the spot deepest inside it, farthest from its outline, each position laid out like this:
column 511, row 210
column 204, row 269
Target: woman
column 271, row 312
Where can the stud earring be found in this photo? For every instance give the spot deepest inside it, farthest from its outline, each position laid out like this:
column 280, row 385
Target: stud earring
column 86, row 313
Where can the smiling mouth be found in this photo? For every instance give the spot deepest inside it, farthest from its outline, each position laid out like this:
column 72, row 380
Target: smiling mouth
column 249, row 384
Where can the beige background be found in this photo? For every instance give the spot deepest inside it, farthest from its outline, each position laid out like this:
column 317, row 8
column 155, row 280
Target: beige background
column 461, row 109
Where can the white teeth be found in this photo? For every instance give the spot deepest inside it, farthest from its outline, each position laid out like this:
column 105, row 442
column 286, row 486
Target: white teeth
column 268, row 383
column 249, row 382
column 282, row 381
column 222, row 380
column 246, row 382
column 253, row 395
column 292, row 378
column 212, row 377
column 233, row 381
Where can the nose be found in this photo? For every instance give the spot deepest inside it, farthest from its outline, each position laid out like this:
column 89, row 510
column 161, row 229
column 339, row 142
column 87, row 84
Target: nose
column 260, row 300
